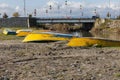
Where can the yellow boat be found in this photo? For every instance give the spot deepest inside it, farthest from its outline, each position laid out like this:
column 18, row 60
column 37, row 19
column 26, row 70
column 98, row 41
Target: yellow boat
column 60, row 34
column 23, row 32
column 89, row 41
column 38, row 37
column 9, row 32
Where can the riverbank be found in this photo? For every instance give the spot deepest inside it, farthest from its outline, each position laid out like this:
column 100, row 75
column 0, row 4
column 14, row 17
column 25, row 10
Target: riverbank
column 106, row 26
column 56, row 61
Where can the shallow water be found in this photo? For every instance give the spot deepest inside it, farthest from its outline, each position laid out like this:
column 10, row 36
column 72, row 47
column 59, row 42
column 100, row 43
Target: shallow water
column 112, row 36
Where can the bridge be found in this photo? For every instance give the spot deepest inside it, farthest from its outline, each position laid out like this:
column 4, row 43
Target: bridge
column 87, row 23
column 64, row 20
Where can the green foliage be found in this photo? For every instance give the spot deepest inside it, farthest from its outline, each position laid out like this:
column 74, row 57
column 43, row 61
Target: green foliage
column 118, row 17
column 9, row 37
column 117, row 75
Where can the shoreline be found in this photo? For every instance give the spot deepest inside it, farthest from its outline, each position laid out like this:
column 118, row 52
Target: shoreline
column 43, row 61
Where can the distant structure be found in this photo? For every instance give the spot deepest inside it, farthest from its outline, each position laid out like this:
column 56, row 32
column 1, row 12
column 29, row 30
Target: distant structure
column 24, row 8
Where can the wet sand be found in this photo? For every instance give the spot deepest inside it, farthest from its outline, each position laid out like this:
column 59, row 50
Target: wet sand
column 56, row 61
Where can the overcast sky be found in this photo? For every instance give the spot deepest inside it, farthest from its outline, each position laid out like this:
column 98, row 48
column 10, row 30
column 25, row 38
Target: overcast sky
column 72, row 9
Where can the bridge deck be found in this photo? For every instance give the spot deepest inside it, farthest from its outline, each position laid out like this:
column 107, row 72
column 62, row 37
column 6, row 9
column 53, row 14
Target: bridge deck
column 65, row 20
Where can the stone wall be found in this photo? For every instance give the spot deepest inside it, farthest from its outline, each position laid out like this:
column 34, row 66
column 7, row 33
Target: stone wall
column 17, row 22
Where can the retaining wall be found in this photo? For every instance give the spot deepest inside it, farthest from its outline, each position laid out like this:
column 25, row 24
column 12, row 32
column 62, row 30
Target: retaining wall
column 17, row 22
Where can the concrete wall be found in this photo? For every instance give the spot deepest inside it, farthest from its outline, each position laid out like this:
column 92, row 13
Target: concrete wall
column 17, row 22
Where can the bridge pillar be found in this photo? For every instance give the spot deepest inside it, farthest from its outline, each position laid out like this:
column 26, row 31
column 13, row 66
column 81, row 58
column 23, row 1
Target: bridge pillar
column 32, row 22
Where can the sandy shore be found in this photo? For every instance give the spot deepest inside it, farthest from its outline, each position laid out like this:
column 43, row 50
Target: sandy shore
column 56, row 61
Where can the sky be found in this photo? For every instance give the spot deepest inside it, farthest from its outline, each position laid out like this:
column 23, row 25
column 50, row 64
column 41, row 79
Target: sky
column 74, row 8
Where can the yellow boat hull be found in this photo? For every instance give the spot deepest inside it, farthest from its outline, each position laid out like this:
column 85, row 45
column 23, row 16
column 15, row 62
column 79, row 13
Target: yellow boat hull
column 23, row 33
column 87, row 41
column 24, row 30
column 36, row 37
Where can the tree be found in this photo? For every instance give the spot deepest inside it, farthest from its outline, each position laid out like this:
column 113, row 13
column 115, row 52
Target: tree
column 5, row 15
column 16, row 14
column 108, row 15
column 30, row 15
column 118, row 17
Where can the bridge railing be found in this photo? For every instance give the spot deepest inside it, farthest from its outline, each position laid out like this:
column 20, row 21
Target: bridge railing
column 65, row 20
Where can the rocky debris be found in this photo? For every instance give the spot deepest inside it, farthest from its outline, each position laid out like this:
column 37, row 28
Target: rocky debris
column 108, row 25
column 56, row 61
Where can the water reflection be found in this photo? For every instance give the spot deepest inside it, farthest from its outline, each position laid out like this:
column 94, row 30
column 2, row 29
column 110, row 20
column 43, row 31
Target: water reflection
column 111, row 36
column 83, row 34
